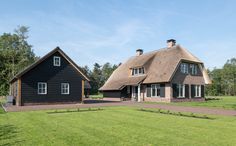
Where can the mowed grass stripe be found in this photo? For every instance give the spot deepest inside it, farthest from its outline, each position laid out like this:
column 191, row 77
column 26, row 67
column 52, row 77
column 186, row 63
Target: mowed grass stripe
column 116, row 126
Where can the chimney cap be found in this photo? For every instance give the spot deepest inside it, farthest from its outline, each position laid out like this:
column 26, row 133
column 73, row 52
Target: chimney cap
column 139, row 52
column 171, row 40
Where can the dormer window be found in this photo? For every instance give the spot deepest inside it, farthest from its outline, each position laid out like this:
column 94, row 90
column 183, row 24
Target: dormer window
column 137, row 71
column 184, row 68
column 57, row 61
column 193, row 69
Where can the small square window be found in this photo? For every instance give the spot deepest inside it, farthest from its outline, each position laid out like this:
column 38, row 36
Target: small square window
column 56, row 61
column 42, row 88
column 65, row 88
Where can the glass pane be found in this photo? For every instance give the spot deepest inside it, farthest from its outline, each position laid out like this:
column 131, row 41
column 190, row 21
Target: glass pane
column 158, row 91
column 182, row 68
column 153, row 92
column 195, row 69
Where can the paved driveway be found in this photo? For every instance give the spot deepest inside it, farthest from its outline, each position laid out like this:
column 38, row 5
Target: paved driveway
column 101, row 103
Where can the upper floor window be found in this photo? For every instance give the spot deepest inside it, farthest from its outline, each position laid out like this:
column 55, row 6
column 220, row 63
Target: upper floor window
column 184, row 68
column 57, row 61
column 42, row 88
column 193, row 69
column 137, row 71
column 65, row 88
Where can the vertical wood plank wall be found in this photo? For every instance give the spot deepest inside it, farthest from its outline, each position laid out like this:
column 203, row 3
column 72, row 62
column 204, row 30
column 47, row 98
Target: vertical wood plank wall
column 82, row 90
column 18, row 101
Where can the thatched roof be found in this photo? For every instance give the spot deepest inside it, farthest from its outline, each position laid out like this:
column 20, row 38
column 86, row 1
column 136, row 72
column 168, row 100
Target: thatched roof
column 159, row 66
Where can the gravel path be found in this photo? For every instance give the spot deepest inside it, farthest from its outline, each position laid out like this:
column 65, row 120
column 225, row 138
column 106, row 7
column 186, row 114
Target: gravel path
column 99, row 103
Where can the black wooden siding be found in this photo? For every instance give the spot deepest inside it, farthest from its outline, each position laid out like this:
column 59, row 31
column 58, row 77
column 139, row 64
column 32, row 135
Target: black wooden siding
column 53, row 76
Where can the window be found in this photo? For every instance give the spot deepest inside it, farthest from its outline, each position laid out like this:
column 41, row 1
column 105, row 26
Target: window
column 128, row 89
column 155, row 90
column 197, row 91
column 184, row 68
column 65, row 88
column 137, row 71
column 181, row 91
column 42, row 88
column 56, row 61
column 140, row 71
column 193, row 69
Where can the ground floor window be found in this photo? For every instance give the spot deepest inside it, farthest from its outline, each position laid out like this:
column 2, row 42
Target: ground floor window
column 65, row 88
column 42, row 88
column 128, row 89
column 197, row 91
column 181, row 90
column 155, row 90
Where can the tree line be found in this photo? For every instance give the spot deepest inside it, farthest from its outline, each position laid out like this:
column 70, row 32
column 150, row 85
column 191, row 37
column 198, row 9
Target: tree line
column 16, row 54
column 223, row 79
column 98, row 75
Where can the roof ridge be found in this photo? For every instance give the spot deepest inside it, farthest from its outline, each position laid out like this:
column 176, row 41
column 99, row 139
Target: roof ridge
column 37, row 62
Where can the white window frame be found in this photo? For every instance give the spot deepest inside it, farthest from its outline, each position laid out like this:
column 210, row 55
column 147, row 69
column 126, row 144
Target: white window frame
column 197, row 90
column 184, row 68
column 155, row 87
column 181, row 89
column 65, row 88
column 193, row 68
column 137, row 71
column 55, row 59
column 41, row 88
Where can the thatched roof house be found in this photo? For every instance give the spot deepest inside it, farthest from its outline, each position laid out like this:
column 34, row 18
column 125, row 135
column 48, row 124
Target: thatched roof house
column 161, row 75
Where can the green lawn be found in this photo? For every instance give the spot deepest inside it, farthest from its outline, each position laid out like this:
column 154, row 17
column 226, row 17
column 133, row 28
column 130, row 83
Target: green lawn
column 97, row 96
column 114, row 126
column 226, row 102
column 2, row 100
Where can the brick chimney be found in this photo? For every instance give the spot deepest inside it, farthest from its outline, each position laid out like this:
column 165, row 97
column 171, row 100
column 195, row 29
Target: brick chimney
column 139, row 52
column 170, row 43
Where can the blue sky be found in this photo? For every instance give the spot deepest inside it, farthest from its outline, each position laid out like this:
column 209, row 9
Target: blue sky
column 102, row 31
